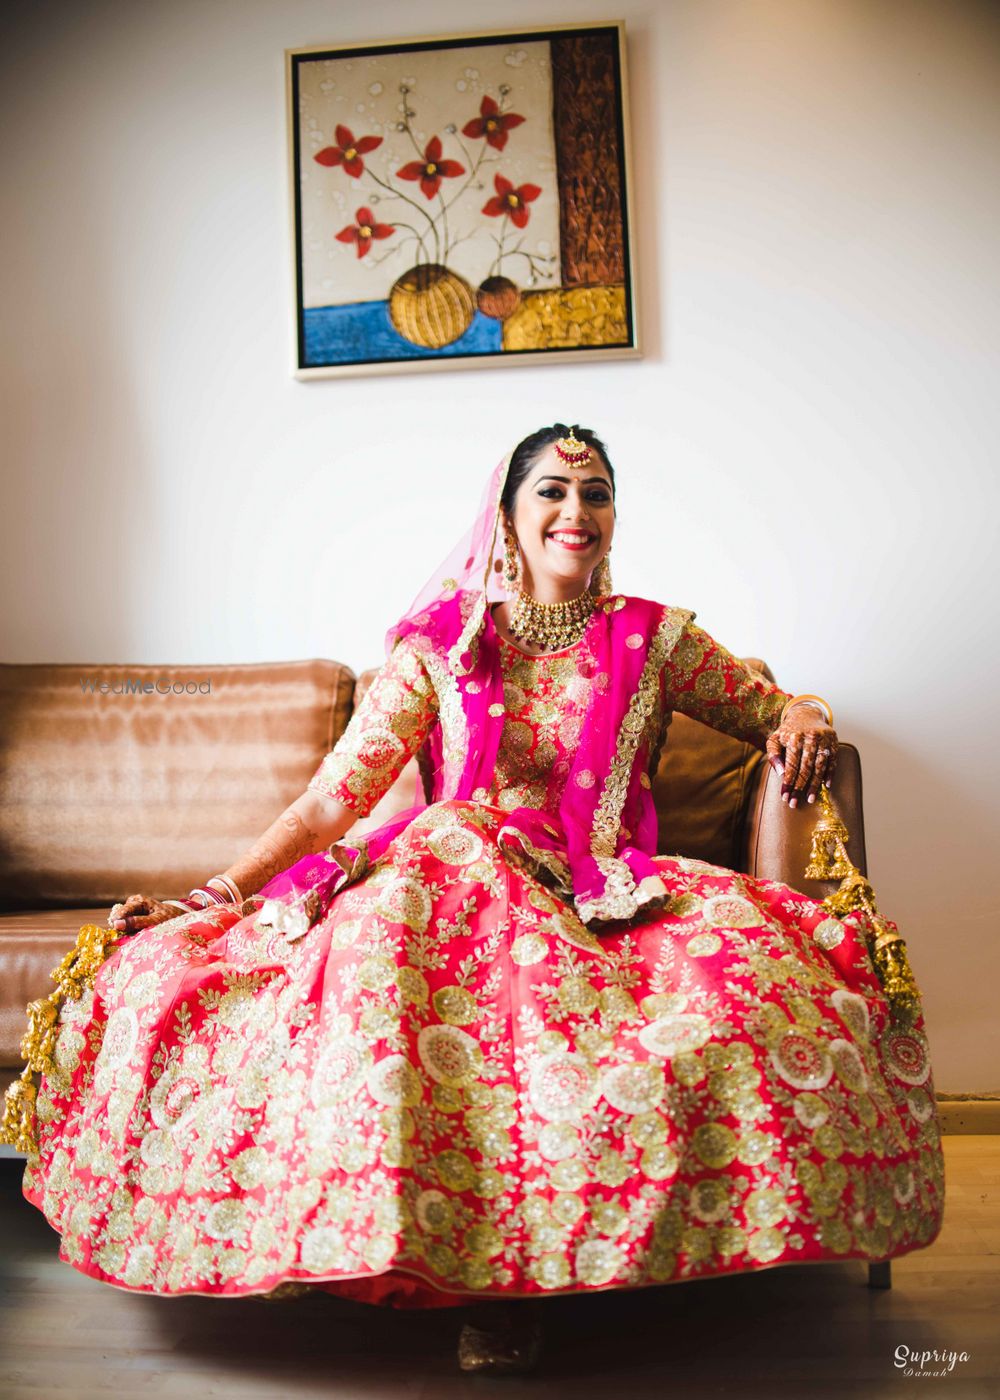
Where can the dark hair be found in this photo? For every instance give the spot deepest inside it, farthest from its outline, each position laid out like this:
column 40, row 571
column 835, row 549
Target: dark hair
column 527, row 453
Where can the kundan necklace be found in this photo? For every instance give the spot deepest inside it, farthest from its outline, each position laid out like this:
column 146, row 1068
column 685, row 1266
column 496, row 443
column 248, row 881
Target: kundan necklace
column 552, row 626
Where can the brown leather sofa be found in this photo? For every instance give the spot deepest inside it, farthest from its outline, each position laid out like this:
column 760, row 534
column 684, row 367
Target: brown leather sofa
column 145, row 778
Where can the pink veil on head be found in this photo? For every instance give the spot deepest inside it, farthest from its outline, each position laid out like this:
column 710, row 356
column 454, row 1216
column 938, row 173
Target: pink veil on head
column 474, row 563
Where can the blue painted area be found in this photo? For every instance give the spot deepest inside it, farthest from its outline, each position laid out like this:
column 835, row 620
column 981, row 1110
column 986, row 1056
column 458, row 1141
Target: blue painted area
column 362, row 331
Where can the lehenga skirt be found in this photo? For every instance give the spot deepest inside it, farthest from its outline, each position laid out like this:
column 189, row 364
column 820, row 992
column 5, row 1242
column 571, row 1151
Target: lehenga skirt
column 450, row 1088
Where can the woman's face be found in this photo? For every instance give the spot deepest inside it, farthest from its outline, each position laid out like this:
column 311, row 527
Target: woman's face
column 564, row 518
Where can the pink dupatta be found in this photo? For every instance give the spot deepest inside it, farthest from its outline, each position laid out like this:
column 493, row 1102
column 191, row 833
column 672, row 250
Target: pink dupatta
column 598, row 851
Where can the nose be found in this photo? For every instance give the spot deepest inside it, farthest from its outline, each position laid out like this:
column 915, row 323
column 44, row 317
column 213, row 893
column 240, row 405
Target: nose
column 574, row 507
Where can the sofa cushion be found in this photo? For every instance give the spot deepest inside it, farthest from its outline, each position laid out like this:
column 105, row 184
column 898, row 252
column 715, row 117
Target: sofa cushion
column 105, row 793
column 700, row 788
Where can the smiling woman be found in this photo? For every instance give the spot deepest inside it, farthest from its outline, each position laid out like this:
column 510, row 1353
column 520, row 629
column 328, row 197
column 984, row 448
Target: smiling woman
column 499, row 1047
column 558, row 526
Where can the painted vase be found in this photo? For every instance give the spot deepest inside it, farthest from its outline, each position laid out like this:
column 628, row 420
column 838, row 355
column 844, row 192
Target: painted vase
column 431, row 306
column 498, row 297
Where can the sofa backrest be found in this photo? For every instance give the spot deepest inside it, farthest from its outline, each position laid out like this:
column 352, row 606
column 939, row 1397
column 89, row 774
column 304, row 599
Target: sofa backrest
column 701, row 788
column 111, row 786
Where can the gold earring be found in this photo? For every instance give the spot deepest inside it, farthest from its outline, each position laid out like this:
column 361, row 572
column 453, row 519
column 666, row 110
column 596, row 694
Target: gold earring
column 511, row 561
column 600, row 581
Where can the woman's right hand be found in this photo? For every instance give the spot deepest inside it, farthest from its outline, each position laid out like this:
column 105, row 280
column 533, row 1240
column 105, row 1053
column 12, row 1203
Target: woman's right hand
column 139, row 911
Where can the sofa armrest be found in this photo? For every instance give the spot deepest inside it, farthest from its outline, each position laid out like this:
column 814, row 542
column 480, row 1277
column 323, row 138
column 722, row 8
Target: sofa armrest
column 778, row 837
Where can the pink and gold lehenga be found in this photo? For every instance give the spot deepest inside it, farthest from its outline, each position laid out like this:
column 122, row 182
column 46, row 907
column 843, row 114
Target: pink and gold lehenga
column 500, row 1047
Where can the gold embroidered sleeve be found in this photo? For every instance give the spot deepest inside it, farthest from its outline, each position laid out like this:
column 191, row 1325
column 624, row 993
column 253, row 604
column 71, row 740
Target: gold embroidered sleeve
column 704, row 680
column 387, row 729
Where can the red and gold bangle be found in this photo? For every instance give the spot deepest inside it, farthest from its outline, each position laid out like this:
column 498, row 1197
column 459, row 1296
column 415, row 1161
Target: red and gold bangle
column 815, row 701
column 226, row 887
column 209, row 895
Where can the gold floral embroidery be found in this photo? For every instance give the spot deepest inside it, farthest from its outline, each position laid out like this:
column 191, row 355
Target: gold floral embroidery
column 237, row 1114
column 707, row 682
column 389, row 725
column 241, row 1122
column 548, row 694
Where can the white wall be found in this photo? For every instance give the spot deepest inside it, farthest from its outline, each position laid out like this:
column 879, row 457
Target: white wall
column 807, row 452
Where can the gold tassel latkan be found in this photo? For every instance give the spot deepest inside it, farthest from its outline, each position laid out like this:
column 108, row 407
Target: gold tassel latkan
column 16, row 1125
column 74, row 975
column 828, row 860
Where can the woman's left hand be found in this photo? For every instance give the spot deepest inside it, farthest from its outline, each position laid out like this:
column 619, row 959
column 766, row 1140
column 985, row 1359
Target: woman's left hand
column 803, row 752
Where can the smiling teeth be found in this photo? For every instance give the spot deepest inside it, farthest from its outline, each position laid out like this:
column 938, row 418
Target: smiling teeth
column 573, row 539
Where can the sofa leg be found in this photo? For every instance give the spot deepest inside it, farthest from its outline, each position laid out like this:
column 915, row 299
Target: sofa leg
column 880, row 1275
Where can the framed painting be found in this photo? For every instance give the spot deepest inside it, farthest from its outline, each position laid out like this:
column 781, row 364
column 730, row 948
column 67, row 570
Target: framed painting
column 461, row 201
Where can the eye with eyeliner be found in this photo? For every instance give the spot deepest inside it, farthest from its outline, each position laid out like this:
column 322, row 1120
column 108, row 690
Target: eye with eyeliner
column 598, row 497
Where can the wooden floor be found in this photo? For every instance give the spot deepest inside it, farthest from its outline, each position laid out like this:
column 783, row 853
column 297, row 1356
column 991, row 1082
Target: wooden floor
column 784, row 1333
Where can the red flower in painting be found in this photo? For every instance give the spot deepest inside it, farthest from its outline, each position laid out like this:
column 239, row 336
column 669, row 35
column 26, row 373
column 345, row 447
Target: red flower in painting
column 364, row 231
column 491, row 123
column 509, row 200
column 431, row 169
column 348, row 152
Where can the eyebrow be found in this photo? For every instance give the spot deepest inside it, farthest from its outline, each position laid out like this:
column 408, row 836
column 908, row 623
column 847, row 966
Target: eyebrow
column 589, row 481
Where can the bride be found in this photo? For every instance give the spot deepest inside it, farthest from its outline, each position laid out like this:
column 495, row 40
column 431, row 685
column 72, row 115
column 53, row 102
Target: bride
column 497, row 1048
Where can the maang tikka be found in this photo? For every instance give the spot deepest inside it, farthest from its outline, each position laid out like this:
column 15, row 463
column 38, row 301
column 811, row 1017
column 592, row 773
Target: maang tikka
column 572, row 451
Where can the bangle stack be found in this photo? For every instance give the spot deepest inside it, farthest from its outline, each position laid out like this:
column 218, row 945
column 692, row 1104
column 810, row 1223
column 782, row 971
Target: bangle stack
column 218, row 890
column 816, row 702
column 228, row 888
